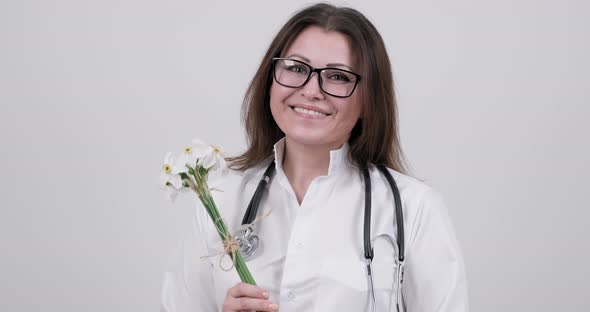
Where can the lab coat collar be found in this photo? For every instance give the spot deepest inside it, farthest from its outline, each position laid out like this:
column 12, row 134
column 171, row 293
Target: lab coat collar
column 338, row 157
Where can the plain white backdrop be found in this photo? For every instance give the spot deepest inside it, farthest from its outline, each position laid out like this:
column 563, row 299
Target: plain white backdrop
column 493, row 100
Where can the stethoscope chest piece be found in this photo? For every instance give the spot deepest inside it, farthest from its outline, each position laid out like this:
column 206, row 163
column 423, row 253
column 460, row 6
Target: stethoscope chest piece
column 247, row 241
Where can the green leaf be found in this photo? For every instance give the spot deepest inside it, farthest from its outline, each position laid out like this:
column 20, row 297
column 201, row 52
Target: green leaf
column 190, row 169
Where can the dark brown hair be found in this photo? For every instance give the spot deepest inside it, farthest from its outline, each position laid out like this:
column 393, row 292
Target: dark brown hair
column 374, row 139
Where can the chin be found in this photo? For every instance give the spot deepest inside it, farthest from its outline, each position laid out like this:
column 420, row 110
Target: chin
column 313, row 139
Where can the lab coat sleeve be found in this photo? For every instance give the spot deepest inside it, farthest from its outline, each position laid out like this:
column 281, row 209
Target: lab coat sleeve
column 434, row 277
column 188, row 280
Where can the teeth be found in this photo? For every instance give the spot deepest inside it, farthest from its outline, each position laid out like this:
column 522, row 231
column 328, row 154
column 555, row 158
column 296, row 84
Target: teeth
column 309, row 112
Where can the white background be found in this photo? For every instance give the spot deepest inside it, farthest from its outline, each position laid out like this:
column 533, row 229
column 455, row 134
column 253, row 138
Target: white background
column 493, row 96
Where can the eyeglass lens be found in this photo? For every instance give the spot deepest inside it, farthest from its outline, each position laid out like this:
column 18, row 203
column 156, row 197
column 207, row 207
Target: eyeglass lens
column 295, row 74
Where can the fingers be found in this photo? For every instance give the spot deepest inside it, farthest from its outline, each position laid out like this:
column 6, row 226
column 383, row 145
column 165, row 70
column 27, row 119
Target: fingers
column 247, row 290
column 249, row 304
column 246, row 297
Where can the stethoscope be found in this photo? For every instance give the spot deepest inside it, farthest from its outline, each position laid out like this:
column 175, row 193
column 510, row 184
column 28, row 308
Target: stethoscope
column 248, row 241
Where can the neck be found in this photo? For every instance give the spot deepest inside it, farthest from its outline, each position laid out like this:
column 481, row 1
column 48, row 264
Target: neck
column 303, row 163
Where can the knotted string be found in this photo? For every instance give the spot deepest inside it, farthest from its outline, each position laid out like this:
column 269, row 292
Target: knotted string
column 230, row 244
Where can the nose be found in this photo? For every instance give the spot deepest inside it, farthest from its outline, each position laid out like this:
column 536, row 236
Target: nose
column 312, row 88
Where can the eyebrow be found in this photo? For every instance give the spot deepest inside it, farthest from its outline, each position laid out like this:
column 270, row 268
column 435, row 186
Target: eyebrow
column 328, row 65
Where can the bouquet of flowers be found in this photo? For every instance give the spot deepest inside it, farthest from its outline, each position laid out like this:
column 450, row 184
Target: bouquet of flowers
column 190, row 170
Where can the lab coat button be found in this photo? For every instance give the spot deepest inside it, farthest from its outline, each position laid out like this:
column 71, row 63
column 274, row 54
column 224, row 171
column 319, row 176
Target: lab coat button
column 290, row 295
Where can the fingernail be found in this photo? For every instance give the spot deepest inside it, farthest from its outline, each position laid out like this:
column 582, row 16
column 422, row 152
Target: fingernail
column 273, row 306
column 265, row 295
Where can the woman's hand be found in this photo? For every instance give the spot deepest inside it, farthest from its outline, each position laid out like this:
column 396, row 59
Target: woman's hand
column 246, row 297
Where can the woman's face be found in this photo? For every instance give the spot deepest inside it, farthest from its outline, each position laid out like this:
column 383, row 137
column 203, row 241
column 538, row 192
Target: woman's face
column 307, row 115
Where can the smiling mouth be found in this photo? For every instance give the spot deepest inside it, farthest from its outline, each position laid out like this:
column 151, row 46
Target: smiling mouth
column 309, row 111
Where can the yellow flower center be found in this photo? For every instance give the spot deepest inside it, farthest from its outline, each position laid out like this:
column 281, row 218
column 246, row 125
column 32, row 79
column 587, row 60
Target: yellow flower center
column 217, row 149
column 188, row 149
column 167, row 168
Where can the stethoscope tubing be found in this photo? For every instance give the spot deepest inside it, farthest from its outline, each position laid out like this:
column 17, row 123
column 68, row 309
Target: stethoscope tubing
column 399, row 214
column 252, row 209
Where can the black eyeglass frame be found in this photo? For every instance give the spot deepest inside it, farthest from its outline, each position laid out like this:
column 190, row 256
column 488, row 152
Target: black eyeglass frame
column 314, row 70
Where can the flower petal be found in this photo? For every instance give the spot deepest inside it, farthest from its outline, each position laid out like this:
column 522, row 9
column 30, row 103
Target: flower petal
column 164, row 179
column 208, row 161
column 175, row 180
column 199, row 147
column 168, row 158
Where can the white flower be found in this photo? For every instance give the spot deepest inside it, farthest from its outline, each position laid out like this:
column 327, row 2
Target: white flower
column 191, row 153
column 208, row 156
column 197, row 154
column 171, row 171
column 213, row 159
column 220, row 163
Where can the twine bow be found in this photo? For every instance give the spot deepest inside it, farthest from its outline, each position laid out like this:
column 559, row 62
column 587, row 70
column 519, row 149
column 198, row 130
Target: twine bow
column 231, row 245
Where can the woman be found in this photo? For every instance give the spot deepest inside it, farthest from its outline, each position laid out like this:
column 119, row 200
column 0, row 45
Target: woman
column 322, row 106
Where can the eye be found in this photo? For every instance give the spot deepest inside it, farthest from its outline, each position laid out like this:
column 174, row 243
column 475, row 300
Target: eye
column 337, row 76
column 299, row 69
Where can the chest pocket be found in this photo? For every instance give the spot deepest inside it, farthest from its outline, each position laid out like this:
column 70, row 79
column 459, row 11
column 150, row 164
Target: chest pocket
column 345, row 286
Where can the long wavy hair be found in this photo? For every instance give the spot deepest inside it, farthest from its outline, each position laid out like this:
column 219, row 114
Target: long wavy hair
column 374, row 139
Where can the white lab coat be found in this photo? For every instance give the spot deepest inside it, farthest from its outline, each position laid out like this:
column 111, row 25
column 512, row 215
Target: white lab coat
column 311, row 255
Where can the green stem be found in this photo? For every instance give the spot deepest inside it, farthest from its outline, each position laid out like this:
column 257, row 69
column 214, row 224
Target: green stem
column 202, row 191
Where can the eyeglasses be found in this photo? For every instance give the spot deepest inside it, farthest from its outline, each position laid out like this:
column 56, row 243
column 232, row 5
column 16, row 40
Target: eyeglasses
column 333, row 81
